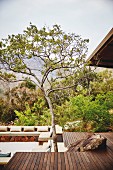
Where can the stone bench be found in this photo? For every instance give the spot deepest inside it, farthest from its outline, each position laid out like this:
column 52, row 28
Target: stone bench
column 21, row 133
column 44, row 137
column 59, row 133
column 29, row 133
column 4, row 160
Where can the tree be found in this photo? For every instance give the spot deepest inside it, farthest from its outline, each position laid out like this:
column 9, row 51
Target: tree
column 103, row 82
column 47, row 56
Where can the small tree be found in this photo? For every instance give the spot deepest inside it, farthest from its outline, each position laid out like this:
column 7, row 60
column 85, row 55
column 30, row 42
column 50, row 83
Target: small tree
column 46, row 56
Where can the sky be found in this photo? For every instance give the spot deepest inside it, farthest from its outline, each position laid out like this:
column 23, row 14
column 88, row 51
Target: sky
column 92, row 19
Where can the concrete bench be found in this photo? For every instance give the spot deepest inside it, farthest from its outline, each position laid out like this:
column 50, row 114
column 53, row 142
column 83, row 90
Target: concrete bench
column 4, row 160
column 58, row 130
column 21, row 133
column 46, row 147
column 44, row 137
column 59, row 133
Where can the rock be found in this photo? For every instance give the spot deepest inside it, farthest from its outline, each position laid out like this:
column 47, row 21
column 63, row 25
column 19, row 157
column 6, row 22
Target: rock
column 12, row 139
column 7, row 138
column 91, row 142
column 32, row 139
column 3, row 139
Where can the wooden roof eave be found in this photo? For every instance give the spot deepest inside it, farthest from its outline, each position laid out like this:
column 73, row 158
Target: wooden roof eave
column 94, row 57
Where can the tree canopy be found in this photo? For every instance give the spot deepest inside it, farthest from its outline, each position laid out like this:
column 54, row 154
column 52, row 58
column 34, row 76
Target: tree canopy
column 46, row 56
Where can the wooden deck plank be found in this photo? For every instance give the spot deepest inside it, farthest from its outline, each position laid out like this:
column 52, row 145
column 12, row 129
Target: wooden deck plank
column 103, row 158
column 25, row 161
column 48, row 162
column 56, row 161
column 31, row 163
column 45, row 162
column 66, row 160
column 70, row 161
column 78, row 166
column 90, row 162
column 85, row 162
column 59, row 162
column 21, row 163
column 74, row 160
column 97, row 160
column 80, row 161
column 12, row 165
column 63, row 166
column 94, row 160
column 41, row 161
column 34, row 160
column 109, row 154
column 22, row 160
column 52, row 161
column 38, row 160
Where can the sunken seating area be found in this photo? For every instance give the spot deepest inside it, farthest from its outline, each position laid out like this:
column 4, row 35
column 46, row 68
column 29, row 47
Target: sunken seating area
column 24, row 133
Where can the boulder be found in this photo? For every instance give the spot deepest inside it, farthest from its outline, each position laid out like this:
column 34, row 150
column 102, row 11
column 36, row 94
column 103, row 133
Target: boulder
column 91, row 142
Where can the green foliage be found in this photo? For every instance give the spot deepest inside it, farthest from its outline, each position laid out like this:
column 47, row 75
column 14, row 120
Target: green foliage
column 103, row 83
column 47, row 55
column 7, row 76
column 21, row 94
column 15, row 99
column 6, row 111
column 26, row 118
column 38, row 114
column 29, row 84
column 92, row 113
column 45, row 118
column 62, row 114
column 42, row 112
column 105, row 99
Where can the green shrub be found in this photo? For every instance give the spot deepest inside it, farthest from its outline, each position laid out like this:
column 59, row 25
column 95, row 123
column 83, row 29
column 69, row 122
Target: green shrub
column 26, row 118
column 38, row 114
column 92, row 112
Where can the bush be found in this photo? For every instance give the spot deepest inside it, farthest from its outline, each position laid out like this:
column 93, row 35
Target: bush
column 26, row 118
column 93, row 113
column 38, row 114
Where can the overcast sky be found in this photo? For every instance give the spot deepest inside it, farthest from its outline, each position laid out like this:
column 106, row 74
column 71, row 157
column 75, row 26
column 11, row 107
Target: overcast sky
column 91, row 19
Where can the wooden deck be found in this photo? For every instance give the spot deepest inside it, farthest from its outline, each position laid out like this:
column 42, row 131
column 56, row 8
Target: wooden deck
column 97, row 159
column 90, row 160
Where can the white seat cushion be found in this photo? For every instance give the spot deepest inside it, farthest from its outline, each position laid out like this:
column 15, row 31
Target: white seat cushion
column 42, row 128
column 3, row 128
column 29, row 128
column 15, row 129
column 44, row 136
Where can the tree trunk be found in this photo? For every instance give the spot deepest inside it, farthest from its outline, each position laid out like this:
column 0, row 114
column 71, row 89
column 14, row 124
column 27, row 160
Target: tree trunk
column 53, row 123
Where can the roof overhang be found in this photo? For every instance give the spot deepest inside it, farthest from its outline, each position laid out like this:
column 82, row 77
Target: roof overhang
column 102, row 56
